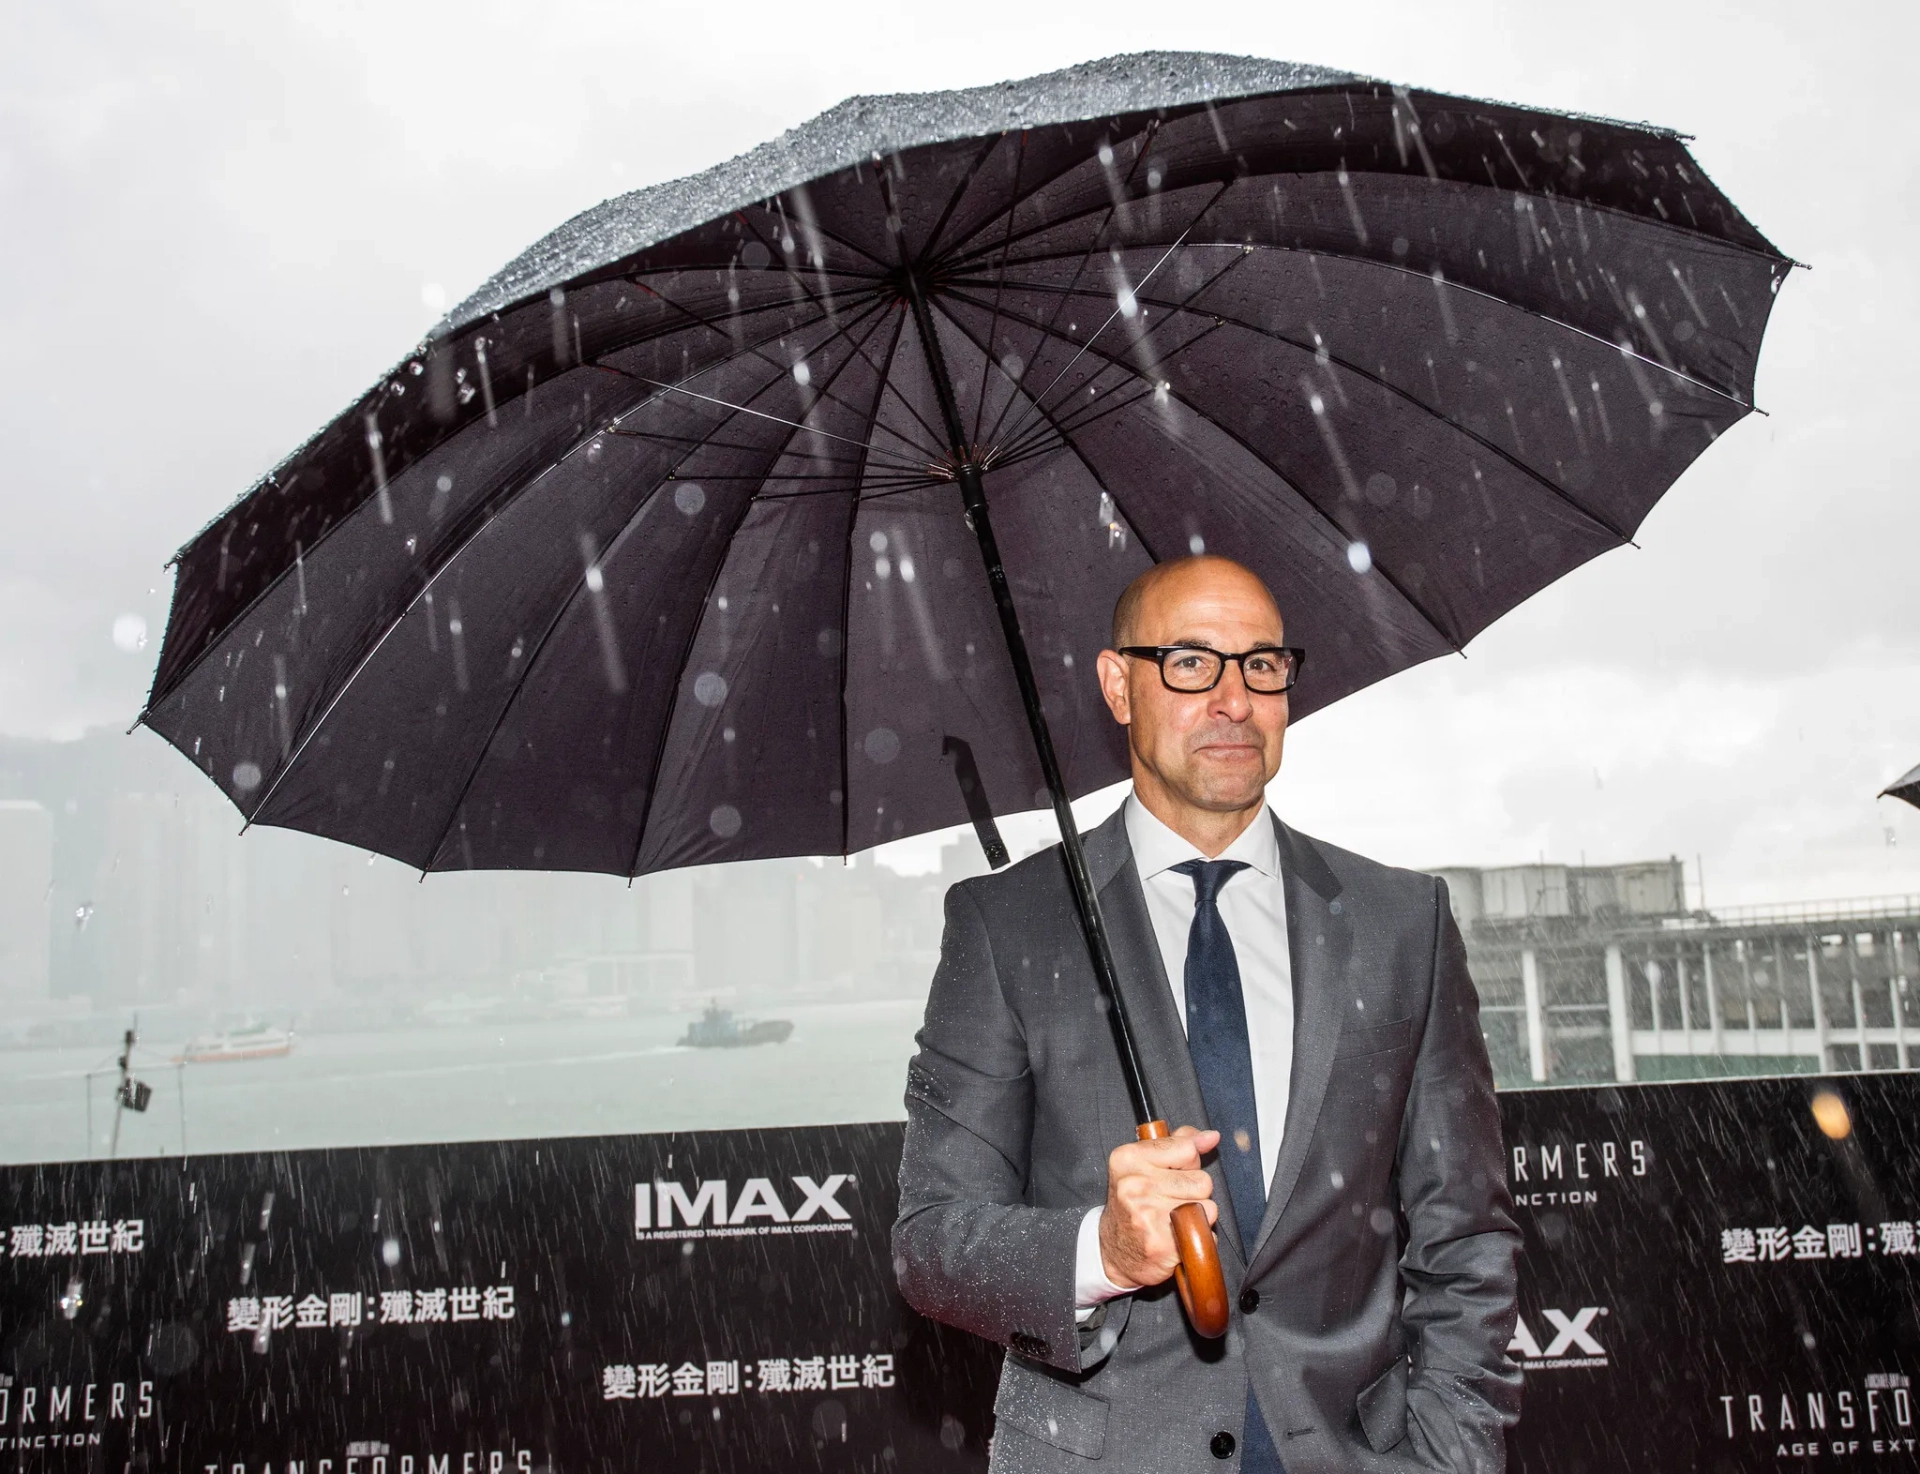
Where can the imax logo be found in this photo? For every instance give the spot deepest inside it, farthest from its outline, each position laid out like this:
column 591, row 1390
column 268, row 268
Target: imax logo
column 664, row 1209
column 1570, row 1343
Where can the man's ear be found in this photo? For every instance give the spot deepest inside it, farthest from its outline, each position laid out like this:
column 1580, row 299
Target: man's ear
column 1113, row 685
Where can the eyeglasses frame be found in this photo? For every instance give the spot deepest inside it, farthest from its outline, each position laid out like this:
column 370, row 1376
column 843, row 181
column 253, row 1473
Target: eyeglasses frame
column 1159, row 653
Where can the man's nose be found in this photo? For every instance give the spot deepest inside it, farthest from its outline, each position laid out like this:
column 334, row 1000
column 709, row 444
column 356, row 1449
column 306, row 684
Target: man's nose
column 1231, row 699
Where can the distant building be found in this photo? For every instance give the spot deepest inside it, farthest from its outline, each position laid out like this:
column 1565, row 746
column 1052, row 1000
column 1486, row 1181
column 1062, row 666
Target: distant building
column 26, row 891
column 1590, row 973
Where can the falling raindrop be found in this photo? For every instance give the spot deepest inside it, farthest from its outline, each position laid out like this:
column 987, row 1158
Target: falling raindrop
column 878, row 542
column 130, row 633
column 802, row 375
column 724, row 821
column 1196, row 545
column 689, row 497
column 882, row 745
column 882, row 567
column 379, row 471
column 1359, row 557
column 709, row 688
column 246, row 776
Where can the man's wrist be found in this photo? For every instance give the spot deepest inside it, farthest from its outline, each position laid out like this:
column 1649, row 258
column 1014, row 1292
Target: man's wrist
column 1091, row 1284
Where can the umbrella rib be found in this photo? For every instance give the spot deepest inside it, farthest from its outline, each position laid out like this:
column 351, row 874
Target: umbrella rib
column 846, row 597
column 1112, row 208
column 1079, row 455
column 938, row 437
column 838, row 240
column 1445, row 281
column 839, row 332
column 1471, row 291
column 711, row 324
column 953, row 200
column 743, row 409
column 546, row 635
column 1614, row 211
column 756, row 353
column 1051, row 434
column 693, row 636
column 986, row 361
column 929, row 457
column 905, row 403
column 774, row 253
column 479, row 515
column 1148, row 133
column 1284, row 480
column 477, row 522
column 1421, row 405
column 1016, row 446
column 1048, row 329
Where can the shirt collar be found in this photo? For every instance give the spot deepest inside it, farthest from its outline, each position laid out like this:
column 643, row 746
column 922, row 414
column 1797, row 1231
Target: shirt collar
column 1157, row 848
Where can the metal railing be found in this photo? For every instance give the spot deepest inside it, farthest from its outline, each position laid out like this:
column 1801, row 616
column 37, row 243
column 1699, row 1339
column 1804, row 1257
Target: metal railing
column 1799, row 913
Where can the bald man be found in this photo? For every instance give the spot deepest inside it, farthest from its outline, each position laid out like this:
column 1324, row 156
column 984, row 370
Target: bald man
column 1304, row 1016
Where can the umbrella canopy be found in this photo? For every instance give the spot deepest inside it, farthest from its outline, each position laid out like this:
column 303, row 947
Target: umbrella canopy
column 1907, row 787
column 653, row 554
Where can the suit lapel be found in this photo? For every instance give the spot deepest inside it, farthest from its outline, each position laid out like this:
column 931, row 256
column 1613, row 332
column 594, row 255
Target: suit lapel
column 1158, row 1034
column 1319, row 943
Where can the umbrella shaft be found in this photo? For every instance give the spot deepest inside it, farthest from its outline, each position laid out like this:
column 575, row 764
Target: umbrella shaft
column 1086, row 900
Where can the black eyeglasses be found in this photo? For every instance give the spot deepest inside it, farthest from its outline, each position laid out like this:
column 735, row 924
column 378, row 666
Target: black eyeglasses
column 1268, row 670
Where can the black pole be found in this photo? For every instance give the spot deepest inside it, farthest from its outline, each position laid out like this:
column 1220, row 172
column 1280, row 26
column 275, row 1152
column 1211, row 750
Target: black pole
column 974, row 497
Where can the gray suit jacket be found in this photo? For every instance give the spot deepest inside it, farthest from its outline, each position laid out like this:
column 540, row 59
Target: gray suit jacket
column 1379, row 1299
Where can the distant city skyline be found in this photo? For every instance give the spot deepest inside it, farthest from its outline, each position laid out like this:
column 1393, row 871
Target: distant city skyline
column 146, row 895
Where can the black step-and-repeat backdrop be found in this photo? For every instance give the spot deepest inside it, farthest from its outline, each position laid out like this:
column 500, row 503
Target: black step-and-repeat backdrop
column 1716, row 1277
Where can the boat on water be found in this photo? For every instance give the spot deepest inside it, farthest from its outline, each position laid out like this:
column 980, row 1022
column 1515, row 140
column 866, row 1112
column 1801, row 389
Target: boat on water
column 249, row 1041
column 717, row 1028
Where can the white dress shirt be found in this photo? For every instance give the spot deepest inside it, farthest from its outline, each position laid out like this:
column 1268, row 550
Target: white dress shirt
column 1253, row 905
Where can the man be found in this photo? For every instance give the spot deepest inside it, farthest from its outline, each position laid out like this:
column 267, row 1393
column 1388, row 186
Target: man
column 1311, row 1010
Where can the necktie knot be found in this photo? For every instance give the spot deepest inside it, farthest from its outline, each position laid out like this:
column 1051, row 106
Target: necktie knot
column 1208, row 876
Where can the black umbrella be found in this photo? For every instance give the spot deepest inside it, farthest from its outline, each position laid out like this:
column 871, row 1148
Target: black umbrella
column 662, row 550
column 1907, row 787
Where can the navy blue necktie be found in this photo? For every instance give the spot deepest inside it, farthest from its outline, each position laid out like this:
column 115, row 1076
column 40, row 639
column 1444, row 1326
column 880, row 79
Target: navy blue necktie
column 1223, row 1061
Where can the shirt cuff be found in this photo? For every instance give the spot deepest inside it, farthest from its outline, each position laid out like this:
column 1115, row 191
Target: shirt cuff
column 1091, row 1286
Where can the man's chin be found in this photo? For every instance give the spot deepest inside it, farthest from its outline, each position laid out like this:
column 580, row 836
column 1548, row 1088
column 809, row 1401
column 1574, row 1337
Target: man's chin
column 1227, row 798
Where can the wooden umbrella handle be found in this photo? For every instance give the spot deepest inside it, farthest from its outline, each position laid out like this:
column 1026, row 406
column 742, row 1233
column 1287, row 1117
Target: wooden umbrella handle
column 1198, row 1276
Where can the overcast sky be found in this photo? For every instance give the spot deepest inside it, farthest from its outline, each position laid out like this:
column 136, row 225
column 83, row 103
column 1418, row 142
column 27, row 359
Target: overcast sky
column 219, row 222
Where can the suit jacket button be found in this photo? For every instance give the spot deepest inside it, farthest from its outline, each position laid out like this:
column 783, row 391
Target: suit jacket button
column 1249, row 1301
column 1222, row 1445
